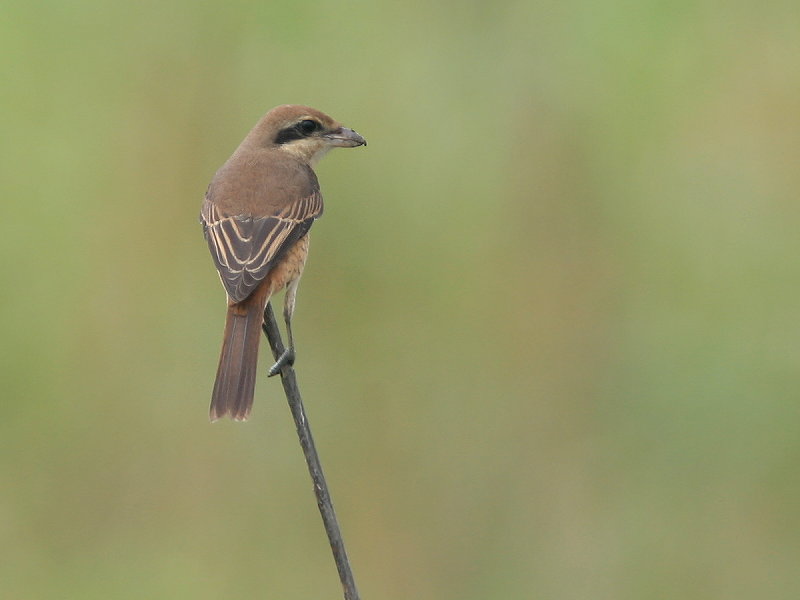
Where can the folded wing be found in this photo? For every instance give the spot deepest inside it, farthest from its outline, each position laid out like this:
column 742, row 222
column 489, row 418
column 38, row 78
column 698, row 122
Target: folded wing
column 245, row 248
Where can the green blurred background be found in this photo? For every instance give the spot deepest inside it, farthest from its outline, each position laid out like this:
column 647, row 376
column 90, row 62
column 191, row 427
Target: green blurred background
column 547, row 335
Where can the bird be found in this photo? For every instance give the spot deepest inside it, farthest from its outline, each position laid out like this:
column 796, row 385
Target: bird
column 256, row 216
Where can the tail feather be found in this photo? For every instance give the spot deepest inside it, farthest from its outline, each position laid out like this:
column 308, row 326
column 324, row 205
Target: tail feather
column 235, row 385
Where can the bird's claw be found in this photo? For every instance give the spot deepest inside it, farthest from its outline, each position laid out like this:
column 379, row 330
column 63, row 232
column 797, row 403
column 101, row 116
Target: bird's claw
column 287, row 358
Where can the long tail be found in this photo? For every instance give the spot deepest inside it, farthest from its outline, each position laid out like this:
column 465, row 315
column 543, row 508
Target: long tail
column 236, row 375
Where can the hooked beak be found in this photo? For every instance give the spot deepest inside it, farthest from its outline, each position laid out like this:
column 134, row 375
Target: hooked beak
column 345, row 138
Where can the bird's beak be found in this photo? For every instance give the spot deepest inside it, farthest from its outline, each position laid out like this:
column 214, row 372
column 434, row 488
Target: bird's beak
column 345, row 138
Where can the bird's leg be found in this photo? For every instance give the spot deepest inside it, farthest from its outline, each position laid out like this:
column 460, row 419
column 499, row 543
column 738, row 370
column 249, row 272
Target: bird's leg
column 287, row 358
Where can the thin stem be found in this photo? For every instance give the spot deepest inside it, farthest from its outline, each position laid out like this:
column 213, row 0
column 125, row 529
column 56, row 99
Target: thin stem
column 324, row 502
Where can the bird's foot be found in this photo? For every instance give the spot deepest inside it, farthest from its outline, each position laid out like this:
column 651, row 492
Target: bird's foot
column 287, row 358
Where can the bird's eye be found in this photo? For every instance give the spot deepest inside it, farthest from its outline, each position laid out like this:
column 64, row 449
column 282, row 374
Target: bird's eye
column 307, row 126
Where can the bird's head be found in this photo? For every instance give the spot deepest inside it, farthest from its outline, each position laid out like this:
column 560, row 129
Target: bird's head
column 303, row 132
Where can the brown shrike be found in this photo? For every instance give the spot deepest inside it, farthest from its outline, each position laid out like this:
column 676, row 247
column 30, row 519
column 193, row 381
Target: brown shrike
column 256, row 215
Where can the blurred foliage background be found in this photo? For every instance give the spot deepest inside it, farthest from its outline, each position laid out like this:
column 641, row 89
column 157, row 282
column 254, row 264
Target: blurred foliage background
column 547, row 335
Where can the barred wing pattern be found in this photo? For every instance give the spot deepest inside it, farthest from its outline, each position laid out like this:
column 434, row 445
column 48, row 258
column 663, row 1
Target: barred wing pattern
column 244, row 247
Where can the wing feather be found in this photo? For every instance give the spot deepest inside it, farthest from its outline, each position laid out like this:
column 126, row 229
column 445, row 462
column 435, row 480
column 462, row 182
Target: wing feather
column 245, row 248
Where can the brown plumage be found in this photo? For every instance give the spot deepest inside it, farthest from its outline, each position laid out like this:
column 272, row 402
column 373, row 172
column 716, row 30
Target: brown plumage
column 256, row 216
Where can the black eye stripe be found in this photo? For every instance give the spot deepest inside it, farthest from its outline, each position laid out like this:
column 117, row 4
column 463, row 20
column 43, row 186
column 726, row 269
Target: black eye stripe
column 297, row 131
column 287, row 135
